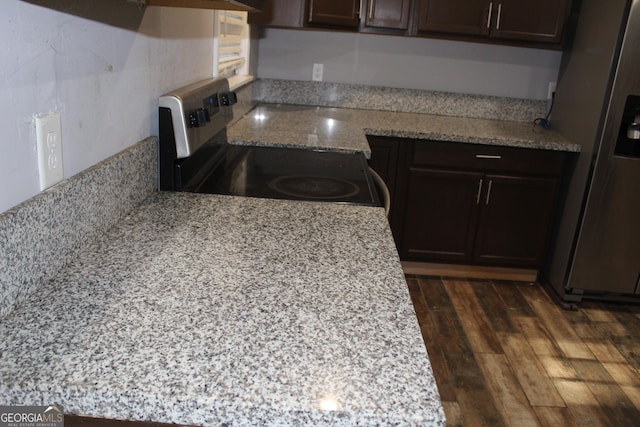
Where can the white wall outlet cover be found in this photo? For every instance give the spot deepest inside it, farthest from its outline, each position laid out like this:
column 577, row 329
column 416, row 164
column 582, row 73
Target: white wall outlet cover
column 49, row 147
column 318, row 71
column 551, row 90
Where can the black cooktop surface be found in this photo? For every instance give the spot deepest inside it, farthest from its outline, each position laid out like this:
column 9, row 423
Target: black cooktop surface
column 285, row 173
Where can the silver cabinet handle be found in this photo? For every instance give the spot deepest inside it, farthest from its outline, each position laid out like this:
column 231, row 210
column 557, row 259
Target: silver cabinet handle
column 479, row 191
column 499, row 14
column 489, row 15
column 372, row 5
column 486, row 202
column 488, row 156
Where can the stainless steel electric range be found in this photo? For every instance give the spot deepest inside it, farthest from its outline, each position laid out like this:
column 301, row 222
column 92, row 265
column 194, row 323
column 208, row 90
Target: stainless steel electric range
column 194, row 156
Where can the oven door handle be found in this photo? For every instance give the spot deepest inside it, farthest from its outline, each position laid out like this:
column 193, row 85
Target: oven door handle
column 382, row 187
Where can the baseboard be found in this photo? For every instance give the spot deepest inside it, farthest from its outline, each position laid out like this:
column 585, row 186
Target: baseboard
column 469, row 271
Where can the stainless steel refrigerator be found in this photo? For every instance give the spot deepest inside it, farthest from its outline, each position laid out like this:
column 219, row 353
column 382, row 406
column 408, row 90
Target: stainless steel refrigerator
column 597, row 105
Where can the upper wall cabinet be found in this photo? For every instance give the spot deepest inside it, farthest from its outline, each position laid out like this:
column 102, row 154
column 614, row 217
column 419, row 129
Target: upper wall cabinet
column 513, row 20
column 534, row 20
column 247, row 5
column 337, row 14
column 389, row 14
column 535, row 23
column 280, row 13
column 454, row 16
column 342, row 13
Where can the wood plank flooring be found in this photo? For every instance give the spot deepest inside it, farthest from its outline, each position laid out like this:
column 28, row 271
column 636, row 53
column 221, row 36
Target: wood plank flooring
column 504, row 354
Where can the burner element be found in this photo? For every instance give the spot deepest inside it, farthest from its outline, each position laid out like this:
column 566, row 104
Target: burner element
column 314, row 187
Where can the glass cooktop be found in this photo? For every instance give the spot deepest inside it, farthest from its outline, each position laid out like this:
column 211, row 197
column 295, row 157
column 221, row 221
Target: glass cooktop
column 285, row 173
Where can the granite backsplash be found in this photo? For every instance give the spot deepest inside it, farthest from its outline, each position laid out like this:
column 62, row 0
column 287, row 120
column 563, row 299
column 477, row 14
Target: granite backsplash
column 325, row 94
column 40, row 236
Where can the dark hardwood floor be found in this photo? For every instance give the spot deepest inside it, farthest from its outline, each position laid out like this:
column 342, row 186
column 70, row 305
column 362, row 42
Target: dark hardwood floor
column 504, row 354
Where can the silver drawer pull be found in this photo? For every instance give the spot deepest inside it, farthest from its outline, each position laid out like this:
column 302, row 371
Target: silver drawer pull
column 489, row 15
column 486, row 202
column 487, row 156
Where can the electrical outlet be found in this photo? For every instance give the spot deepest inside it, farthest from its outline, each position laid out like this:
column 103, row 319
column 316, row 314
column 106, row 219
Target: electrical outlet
column 552, row 90
column 49, row 147
column 318, row 70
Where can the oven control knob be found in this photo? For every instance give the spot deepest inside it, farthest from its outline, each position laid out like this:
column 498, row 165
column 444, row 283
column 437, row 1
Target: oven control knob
column 228, row 98
column 198, row 118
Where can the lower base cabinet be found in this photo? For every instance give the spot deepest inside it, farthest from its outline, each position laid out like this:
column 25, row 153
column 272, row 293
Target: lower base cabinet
column 515, row 220
column 474, row 204
column 440, row 215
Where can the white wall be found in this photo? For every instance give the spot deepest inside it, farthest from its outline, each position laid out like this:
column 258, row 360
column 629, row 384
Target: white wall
column 406, row 62
column 104, row 80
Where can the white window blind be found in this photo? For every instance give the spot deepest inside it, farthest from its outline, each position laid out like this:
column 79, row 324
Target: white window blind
column 232, row 43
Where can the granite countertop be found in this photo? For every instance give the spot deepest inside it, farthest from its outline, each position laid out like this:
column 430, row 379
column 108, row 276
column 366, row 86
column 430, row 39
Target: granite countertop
column 342, row 129
column 205, row 310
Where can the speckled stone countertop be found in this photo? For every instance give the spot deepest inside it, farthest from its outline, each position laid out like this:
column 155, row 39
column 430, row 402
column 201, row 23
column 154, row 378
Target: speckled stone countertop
column 207, row 310
column 342, row 129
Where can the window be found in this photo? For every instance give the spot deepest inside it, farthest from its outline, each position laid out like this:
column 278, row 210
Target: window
column 231, row 46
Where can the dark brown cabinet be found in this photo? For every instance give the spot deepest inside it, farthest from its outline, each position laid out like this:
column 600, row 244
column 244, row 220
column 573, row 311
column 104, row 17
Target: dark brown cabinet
column 342, row 13
column 387, row 157
column 440, row 215
column 530, row 20
column 384, row 160
column 515, row 219
column 280, row 13
column 309, row 13
column 244, row 5
column 512, row 20
column 538, row 23
column 454, row 16
column 471, row 203
column 389, row 14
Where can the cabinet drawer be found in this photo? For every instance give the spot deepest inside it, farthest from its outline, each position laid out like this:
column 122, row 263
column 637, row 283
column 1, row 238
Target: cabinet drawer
column 488, row 158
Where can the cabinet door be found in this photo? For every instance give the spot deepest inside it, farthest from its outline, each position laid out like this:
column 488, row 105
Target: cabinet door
column 343, row 13
column 440, row 215
column 384, row 160
column 515, row 220
column 388, row 14
column 280, row 13
column 244, row 5
column 454, row 16
column 530, row 20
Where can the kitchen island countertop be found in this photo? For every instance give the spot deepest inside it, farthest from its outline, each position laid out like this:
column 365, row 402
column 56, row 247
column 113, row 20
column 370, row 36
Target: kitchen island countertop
column 205, row 310
column 343, row 129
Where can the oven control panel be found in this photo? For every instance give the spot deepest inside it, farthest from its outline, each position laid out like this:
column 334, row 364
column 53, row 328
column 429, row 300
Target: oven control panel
column 198, row 113
column 211, row 106
column 198, row 118
column 228, row 98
